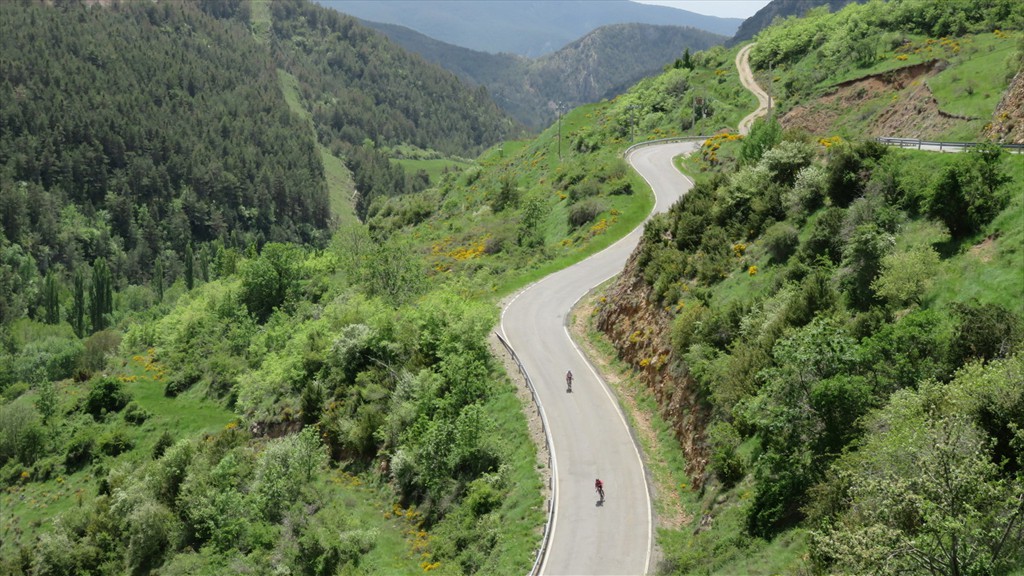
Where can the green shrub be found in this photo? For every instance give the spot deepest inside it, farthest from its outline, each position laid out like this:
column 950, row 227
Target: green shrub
column 14, row 390
column 482, row 497
column 620, row 187
column 22, row 437
column 685, row 326
column 764, row 134
column 808, row 191
column 183, row 379
column 969, row 193
column 135, row 414
column 97, row 347
column 269, row 280
column 584, row 212
column 50, row 358
column 587, row 188
column 724, row 462
column 164, row 442
column 781, row 241
column 79, row 450
column 825, row 239
column 786, row 160
column 106, row 394
column 984, row 331
column 115, row 442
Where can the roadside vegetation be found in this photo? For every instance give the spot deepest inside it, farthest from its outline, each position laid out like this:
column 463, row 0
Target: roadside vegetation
column 815, row 318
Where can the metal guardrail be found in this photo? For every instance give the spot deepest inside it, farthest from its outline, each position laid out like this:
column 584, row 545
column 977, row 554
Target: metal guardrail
column 547, row 440
column 941, row 145
column 628, row 151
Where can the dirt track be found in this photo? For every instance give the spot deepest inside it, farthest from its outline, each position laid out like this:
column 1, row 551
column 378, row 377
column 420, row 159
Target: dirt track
column 747, row 79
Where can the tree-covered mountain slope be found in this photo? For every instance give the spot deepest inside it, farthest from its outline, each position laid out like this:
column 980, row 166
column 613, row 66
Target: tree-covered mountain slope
column 153, row 136
column 601, row 64
column 129, row 132
column 360, row 86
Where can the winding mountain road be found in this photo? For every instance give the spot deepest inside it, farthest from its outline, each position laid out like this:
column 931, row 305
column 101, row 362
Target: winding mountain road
column 588, row 433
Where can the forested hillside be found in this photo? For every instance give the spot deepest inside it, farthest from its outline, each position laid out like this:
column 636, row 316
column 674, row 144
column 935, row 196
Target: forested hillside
column 359, row 86
column 364, row 93
column 174, row 300
column 128, row 134
column 154, row 137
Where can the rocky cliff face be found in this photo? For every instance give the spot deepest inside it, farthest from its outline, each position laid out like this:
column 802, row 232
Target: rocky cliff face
column 639, row 329
column 1007, row 124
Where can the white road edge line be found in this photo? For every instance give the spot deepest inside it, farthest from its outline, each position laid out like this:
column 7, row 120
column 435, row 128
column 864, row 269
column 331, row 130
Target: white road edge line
column 551, row 442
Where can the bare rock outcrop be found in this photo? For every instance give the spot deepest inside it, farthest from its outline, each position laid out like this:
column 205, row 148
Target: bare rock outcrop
column 1007, row 126
column 639, row 329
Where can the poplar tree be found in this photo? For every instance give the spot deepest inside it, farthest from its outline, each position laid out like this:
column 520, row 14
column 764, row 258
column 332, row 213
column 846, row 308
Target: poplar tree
column 158, row 279
column 101, row 301
column 51, row 295
column 78, row 307
column 189, row 267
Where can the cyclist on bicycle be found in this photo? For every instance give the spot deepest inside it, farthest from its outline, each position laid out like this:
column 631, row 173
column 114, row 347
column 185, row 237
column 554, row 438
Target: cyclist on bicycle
column 568, row 381
column 599, row 487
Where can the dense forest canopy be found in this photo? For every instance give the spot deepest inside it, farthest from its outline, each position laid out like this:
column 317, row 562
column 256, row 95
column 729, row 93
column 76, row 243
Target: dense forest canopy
column 136, row 132
column 129, row 132
column 360, row 86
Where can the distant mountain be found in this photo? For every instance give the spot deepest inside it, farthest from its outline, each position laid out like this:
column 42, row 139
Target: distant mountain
column 601, row 64
column 781, row 9
column 529, row 28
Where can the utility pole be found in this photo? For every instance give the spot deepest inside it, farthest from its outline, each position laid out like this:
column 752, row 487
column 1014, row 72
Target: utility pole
column 771, row 80
column 559, row 109
column 632, row 120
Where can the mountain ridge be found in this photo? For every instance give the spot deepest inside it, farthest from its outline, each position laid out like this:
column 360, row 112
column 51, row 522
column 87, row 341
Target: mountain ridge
column 600, row 64
column 534, row 28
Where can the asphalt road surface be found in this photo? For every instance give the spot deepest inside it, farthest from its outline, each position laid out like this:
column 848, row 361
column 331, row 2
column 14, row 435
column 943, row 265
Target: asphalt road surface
column 589, row 435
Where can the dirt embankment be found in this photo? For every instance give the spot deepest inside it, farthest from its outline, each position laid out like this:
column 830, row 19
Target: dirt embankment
column 639, row 330
column 1007, row 124
column 894, row 103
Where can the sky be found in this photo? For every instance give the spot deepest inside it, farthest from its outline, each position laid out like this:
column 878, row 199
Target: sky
column 721, row 8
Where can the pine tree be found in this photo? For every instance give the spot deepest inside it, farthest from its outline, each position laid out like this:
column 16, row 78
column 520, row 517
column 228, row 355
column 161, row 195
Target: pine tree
column 101, row 301
column 158, row 278
column 687, row 60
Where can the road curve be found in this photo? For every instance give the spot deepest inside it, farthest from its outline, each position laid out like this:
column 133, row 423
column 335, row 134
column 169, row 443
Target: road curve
column 747, row 79
column 589, row 435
